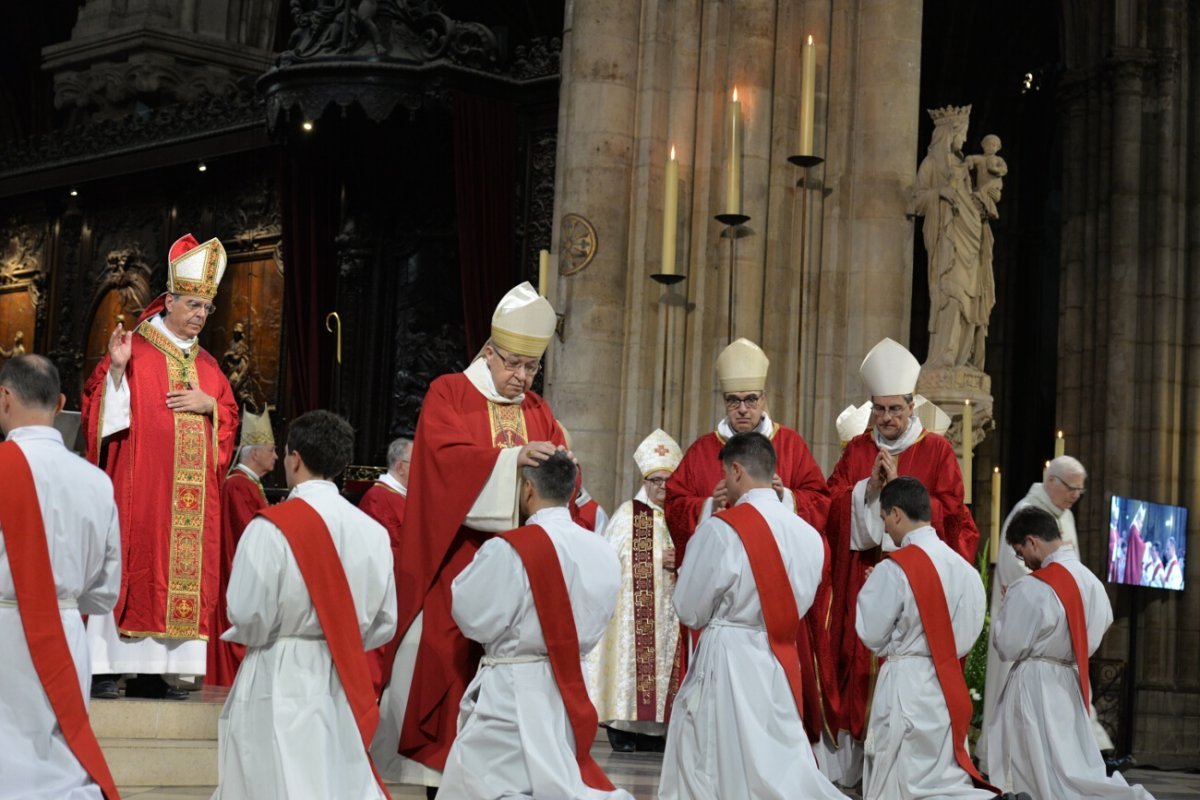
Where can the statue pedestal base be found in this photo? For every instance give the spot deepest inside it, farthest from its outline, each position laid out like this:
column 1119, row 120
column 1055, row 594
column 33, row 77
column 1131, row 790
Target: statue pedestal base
column 948, row 387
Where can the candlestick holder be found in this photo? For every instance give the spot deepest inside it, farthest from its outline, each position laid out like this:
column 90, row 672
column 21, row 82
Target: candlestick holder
column 735, row 228
column 668, row 280
column 803, row 185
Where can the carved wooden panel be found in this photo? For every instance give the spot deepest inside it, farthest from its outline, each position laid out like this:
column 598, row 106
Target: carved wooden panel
column 18, row 316
column 245, row 333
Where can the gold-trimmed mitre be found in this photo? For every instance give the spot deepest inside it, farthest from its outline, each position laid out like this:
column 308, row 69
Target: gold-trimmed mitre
column 195, row 268
column 889, row 369
column 523, row 322
column 657, row 452
column 256, row 428
column 742, row 367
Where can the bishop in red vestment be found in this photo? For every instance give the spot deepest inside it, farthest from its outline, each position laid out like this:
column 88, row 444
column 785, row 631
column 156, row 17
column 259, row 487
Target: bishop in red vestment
column 476, row 429
column 160, row 419
column 242, row 497
column 696, row 490
column 385, row 502
column 896, row 444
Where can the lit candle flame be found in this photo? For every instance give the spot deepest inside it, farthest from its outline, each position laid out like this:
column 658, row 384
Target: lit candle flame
column 735, row 94
column 996, row 470
column 672, row 152
column 1060, row 434
column 810, row 39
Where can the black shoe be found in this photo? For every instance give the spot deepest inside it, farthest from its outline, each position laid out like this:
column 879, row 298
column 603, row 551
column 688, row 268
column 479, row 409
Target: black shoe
column 430, row 792
column 647, row 743
column 153, row 687
column 1112, row 765
column 104, row 687
column 622, row 741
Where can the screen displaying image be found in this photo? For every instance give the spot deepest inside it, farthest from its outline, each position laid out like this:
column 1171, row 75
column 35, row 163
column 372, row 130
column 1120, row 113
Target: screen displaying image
column 1146, row 543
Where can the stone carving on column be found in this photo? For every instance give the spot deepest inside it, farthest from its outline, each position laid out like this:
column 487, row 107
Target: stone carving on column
column 578, row 245
column 957, row 195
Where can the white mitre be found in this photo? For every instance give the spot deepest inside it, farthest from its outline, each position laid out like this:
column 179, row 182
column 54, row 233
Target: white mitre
column 523, row 322
column 742, row 367
column 853, row 421
column 932, row 417
column 657, row 452
column 889, row 369
column 194, row 268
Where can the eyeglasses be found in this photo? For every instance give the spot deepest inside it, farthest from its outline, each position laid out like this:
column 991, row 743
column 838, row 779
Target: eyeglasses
column 750, row 401
column 887, row 411
column 658, row 482
column 198, row 305
column 1068, row 486
column 514, row 364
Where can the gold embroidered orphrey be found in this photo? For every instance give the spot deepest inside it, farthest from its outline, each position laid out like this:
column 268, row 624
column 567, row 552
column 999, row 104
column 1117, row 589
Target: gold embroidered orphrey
column 185, row 558
column 645, row 625
column 507, row 424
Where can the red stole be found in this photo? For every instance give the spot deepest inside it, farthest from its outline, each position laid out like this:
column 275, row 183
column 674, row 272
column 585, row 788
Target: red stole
column 37, row 603
column 553, row 605
column 645, row 606
column 321, row 567
column 780, row 613
column 1060, row 579
column 927, row 588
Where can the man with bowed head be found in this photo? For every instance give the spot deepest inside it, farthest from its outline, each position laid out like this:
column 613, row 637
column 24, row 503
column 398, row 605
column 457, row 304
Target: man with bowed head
column 1040, row 738
column 896, row 444
column 476, row 430
column 736, row 730
column 160, row 419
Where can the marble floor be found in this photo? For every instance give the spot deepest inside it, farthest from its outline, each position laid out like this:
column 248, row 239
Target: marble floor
column 638, row 773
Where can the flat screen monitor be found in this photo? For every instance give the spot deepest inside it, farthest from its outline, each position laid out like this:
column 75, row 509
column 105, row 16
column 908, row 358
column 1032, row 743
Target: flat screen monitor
column 1147, row 543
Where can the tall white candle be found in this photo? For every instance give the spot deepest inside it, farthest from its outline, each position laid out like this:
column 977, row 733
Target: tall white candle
column 808, row 97
column 733, row 167
column 670, row 214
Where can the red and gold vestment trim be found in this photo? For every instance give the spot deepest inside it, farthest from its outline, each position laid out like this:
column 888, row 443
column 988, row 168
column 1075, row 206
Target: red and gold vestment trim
column 645, row 623
column 507, row 424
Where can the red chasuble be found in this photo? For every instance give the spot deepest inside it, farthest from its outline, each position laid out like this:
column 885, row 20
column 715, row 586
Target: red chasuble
column 692, row 483
column 1135, row 550
column 585, row 514
column 385, row 505
column 241, row 498
column 37, row 603
column 932, row 461
column 930, row 595
column 1060, row 579
column 325, row 578
column 458, row 437
column 167, row 470
column 553, row 605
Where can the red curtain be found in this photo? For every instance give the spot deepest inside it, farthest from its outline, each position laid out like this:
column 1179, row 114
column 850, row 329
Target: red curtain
column 485, row 165
column 310, row 200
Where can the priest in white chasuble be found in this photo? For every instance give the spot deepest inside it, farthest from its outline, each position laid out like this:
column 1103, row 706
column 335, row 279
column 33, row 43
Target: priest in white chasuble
column 537, row 599
column 311, row 588
column 161, row 420
column 630, row 672
column 1040, row 739
column 476, row 429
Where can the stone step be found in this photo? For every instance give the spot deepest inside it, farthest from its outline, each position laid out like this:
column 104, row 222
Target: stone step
column 163, row 762
column 194, row 718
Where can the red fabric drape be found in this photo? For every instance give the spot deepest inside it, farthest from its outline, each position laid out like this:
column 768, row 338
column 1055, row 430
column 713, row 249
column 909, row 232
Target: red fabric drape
column 485, row 166
column 310, row 197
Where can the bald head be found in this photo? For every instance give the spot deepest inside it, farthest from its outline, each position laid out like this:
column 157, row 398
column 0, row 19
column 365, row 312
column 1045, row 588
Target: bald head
column 29, row 392
column 1064, row 481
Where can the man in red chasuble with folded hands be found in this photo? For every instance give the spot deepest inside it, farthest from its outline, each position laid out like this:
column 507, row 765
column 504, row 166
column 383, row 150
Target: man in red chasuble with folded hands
column 476, row 430
column 160, row 418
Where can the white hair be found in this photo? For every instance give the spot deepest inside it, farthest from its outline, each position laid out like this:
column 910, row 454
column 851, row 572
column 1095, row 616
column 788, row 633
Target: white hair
column 397, row 450
column 1064, row 467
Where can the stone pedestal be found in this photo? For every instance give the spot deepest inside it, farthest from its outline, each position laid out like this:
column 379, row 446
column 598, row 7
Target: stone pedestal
column 948, row 388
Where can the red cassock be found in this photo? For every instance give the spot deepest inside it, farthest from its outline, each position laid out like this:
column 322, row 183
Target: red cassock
column 692, row 484
column 167, row 470
column 241, row 498
column 385, row 505
column 458, row 439
column 930, row 460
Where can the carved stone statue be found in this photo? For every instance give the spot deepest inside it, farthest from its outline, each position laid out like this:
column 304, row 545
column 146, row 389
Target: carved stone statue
column 958, row 239
column 18, row 346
